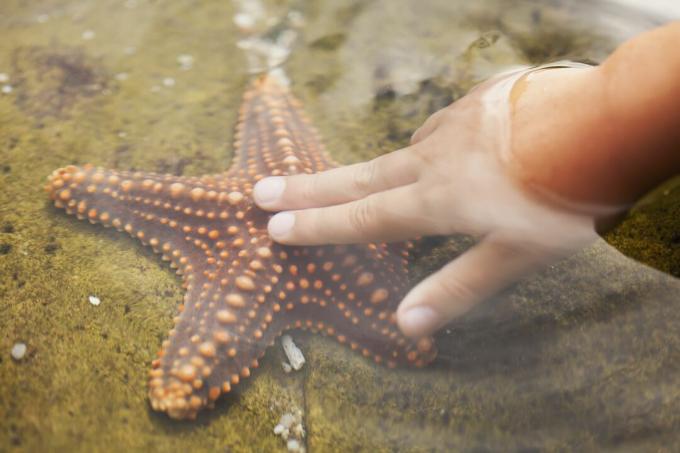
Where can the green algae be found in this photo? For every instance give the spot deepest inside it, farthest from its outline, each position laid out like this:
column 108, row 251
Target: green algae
column 581, row 356
column 650, row 233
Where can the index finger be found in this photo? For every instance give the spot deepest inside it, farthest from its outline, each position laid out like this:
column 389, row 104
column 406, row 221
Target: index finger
column 339, row 185
column 391, row 215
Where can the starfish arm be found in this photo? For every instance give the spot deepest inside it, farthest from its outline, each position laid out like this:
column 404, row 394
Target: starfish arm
column 274, row 136
column 218, row 338
column 188, row 220
column 129, row 202
column 199, row 229
column 351, row 293
column 210, row 235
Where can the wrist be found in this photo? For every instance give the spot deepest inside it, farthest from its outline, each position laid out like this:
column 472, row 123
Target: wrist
column 601, row 136
column 557, row 126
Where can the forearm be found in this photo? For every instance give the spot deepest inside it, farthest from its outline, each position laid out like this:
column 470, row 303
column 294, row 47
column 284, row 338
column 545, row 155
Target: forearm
column 604, row 135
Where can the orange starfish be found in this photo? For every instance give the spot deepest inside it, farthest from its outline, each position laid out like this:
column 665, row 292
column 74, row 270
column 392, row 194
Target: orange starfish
column 243, row 290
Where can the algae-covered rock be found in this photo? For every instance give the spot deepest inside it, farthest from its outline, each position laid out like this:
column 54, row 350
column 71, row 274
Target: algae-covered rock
column 581, row 356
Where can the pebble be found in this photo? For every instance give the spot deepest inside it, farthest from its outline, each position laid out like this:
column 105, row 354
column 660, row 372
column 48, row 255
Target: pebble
column 7, row 89
column 122, row 76
column 42, row 18
column 293, row 445
column 130, row 50
column 294, row 354
column 94, row 300
column 287, row 420
column 169, row 82
column 185, row 61
column 87, row 35
column 4, row 77
column 244, row 21
column 18, row 351
column 280, row 76
column 286, row 367
column 290, row 429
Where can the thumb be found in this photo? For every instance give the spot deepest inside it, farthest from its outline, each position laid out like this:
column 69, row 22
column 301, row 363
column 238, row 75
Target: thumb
column 468, row 280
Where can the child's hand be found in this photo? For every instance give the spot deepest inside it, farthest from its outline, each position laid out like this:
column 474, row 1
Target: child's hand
column 450, row 180
column 524, row 165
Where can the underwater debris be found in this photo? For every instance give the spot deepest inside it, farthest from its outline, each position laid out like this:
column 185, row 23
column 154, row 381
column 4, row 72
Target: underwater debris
column 94, row 300
column 294, row 354
column 185, row 61
column 293, row 445
column 18, row 351
column 267, row 41
column 291, row 430
column 244, row 21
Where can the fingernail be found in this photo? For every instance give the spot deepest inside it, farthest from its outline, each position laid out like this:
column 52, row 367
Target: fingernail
column 281, row 225
column 269, row 190
column 419, row 321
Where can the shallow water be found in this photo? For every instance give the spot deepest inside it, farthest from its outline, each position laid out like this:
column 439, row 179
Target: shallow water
column 581, row 356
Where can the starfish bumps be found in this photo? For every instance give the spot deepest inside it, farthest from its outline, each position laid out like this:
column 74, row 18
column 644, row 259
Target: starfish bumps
column 243, row 290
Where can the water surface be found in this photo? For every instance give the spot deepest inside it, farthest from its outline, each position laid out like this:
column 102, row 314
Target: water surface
column 581, row 356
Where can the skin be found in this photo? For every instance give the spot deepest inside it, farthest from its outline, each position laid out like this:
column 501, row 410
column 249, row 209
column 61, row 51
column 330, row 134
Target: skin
column 583, row 145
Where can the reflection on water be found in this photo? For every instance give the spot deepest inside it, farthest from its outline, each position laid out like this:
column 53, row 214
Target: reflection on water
column 582, row 355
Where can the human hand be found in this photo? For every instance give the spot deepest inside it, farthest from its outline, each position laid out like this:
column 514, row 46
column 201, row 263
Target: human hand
column 451, row 179
column 526, row 162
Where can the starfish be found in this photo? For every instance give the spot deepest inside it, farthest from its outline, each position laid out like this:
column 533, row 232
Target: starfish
column 242, row 289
